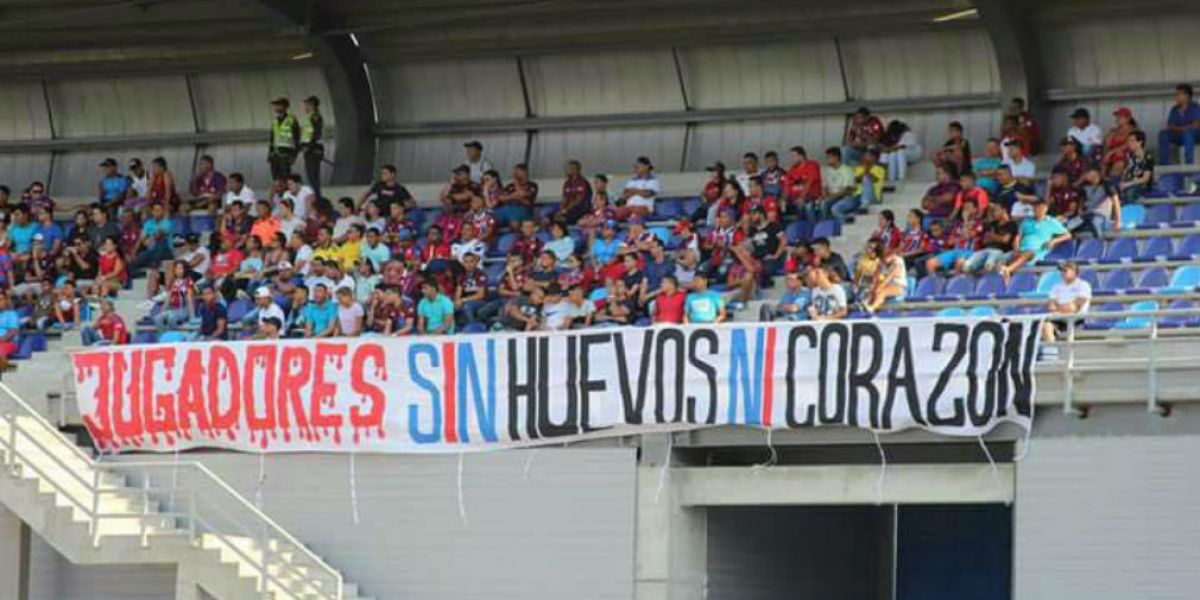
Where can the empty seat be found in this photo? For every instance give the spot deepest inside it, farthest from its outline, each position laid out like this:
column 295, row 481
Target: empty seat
column 1061, row 252
column 990, row 285
column 1169, row 183
column 1139, row 321
column 1190, row 213
column 1090, row 276
column 1021, row 284
column 827, row 229
column 503, row 245
column 1186, row 320
column 145, row 337
column 174, row 337
column 494, row 272
column 687, row 206
column 1047, row 281
column 1158, row 215
column 1090, row 250
column 985, row 312
column 1152, row 279
column 799, row 231
column 1121, row 250
column 952, row 311
column 238, row 309
column 928, row 287
column 1132, row 215
column 1103, row 322
column 1116, row 281
column 1188, row 248
column 668, row 208
column 545, row 211
column 960, row 286
column 1158, row 248
column 1185, row 279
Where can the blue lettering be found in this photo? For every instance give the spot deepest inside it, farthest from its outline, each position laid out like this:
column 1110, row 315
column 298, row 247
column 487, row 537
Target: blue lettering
column 485, row 409
column 740, row 376
column 435, row 396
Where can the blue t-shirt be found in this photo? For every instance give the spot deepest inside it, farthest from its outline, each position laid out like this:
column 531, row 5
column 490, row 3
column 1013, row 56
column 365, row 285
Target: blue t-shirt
column 150, row 227
column 50, row 233
column 320, row 316
column 1180, row 118
column 9, row 320
column 113, row 188
column 22, row 237
column 1035, row 235
column 436, row 312
column 604, row 251
column 986, row 163
column 210, row 316
column 703, row 307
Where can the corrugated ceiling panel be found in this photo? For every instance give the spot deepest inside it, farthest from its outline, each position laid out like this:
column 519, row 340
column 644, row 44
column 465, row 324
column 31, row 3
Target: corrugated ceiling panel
column 607, row 149
column 116, row 107
column 17, row 170
column 23, row 114
column 777, row 74
column 241, row 100
column 76, row 173
column 1134, row 51
column 425, row 159
column 727, row 142
column 449, row 90
column 920, row 64
column 249, row 159
column 603, row 83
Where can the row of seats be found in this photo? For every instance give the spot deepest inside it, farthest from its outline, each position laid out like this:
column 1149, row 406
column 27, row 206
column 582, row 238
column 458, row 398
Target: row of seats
column 1127, row 250
column 1092, row 324
column 1025, row 284
column 1160, row 216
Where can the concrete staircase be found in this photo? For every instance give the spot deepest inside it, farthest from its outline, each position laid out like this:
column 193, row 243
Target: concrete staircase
column 152, row 513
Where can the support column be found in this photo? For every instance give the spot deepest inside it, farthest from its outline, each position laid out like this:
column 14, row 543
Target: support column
column 1018, row 54
column 15, row 537
column 671, row 540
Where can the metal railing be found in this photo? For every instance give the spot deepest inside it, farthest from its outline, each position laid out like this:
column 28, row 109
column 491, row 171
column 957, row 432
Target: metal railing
column 189, row 491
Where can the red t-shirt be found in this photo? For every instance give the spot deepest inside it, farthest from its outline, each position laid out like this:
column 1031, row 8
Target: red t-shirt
column 669, row 308
column 977, row 194
column 803, row 178
column 225, row 263
column 113, row 328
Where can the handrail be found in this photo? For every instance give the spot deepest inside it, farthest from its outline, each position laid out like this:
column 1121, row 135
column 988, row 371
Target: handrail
column 95, row 490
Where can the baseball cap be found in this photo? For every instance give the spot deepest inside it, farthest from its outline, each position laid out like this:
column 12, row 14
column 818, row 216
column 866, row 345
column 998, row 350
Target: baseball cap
column 1123, row 112
column 717, row 166
column 473, row 144
column 109, row 162
column 193, row 238
column 281, row 101
column 644, row 160
column 1081, row 113
column 262, row 292
column 135, row 163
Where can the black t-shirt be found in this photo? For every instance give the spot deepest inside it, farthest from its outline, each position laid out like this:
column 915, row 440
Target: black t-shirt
column 1136, row 167
column 386, row 194
column 836, row 264
column 1008, row 195
column 526, row 307
column 765, row 239
column 92, row 258
column 1007, row 228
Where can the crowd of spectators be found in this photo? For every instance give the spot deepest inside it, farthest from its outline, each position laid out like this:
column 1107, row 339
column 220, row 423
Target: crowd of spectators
column 290, row 262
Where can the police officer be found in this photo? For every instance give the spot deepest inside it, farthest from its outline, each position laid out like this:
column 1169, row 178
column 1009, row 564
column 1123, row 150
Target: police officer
column 285, row 140
column 312, row 126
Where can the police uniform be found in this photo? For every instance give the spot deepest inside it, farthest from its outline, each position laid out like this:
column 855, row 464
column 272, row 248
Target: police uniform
column 312, row 129
column 285, row 139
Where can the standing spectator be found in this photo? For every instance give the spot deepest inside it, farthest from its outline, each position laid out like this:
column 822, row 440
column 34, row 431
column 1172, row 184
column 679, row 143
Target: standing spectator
column 1139, row 169
column 476, row 164
column 285, row 139
column 387, row 190
column 312, row 132
column 108, row 328
column 828, row 298
column 162, row 186
column 1022, row 168
column 838, row 179
column 749, row 171
column 1027, row 128
column 113, row 187
column 1036, row 237
column 1183, row 126
column 517, row 201
column 236, row 190
column 900, row 149
column 207, row 188
column 938, row 202
column 868, row 180
column 792, row 305
column 1084, row 131
column 214, row 320
column 864, row 131
column 772, row 175
column 703, row 305
column 1071, row 296
column 576, row 194
column 802, row 182
column 640, row 191
column 955, row 151
column 668, row 303
column 435, row 311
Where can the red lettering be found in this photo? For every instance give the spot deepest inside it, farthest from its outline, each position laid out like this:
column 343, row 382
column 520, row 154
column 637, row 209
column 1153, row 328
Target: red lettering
column 158, row 411
column 369, row 391
column 222, row 367
column 290, row 384
column 127, row 429
column 323, row 391
column 98, row 423
column 450, row 410
column 261, row 427
column 191, row 397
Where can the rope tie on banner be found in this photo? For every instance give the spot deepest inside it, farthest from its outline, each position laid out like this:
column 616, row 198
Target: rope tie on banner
column 353, row 488
column 773, row 458
column 262, row 480
column 528, row 463
column 1026, row 439
column 995, row 470
column 883, row 465
column 662, row 473
column 462, row 505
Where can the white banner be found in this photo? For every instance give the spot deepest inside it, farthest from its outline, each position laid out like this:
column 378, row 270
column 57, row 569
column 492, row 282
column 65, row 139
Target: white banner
column 479, row 392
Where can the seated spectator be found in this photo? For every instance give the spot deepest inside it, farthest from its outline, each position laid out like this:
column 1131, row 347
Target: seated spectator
column 838, row 179
column 1027, row 129
column 111, row 273
column 703, row 305
column 828, row 298
column 139, row 184
column 772, row 175
column 985, row 166
column 319, row 316
column 576, row 194
column 579, row 311
column 888, row 234
column 602, row 212
column 668, row 303
column 938, row 202
column 524, row 312
column 1062, row 195
column 180, row 303
column 792, row 305
column 1071, row 296
column 832, row 261
column 271, row 329
column 20, row 232
column 545, row 270
column 802, row 183
column 386, row 191
column 214, row 320
column 456, row 196
column 1015, row 196
column 366, row 280
column 1183, row 126
column 207, row 188
column 515, row 204
column 1021, row 167
column 758, row 198
column 640, row 192
column 302, row 197
column 476, row 164
column 1037, row 236
column 868, row 179
column 265, row 225
column 264, row 308
column 375, row 252
column 236, row 190
column 154, row 245
column 866, row 267
column 1139, row 170
column 864, row 131
column 891, row 280
column 914, row 244
column 1086, row 133
column 998, row 235
column 471, row 289
column 1101, row 206
column 955, row 152
column 435, row 311
column 112, row 188
column 108, row 328
column 1072, row 160
column 900, row 148
column 969, row 191
column 388, row 314
column 349, row 313
column 65, row 313
column 1116, row 139
column 965, row 237
column 528, row 244
column 162, row 186
column 561, row 244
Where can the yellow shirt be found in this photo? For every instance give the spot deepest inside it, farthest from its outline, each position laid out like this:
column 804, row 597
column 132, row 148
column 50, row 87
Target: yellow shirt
column 878, row 174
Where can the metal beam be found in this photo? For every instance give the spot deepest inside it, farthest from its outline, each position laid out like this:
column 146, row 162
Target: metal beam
column 1109, row 92
column 133, row 141
column 1018, row 54
column 719, row 115
column 350, row 90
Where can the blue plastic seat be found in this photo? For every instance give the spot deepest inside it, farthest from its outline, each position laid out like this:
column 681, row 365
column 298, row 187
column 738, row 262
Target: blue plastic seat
column 668, row 208
column 985, row 312
column 1169, row 183
column 474, row 328
column 203, row 223
column 546, row 211
column 494, row 272
column 952, row 311
column 238, row 309
column 1157, row 248
column 662, row 233
column 1046, row 282
column 1158, row 215
column 598, row 295
column 1089, row 251
column 1139, row 321
column 687, row 206
column 1092, row 277
column 1132, row 215
column 828, row 228
column 1022, row 283
column 174, row 337
column 990, row 285
column 928, row 287
column 1121, row 250
column 503, row 245
column 1098, row 323
column 799, row 231
column 1061, row 252
column 1152, row 279
column 1176, row 321
column 1188, row 248
column 1185, row 279
column 1116, row 281
column 1190, row 213
column 145, row 337
column 960, row 286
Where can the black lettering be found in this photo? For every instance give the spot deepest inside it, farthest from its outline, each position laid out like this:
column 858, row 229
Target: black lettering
column 940, row 330
column 902, row 358
column 633, row 406
column 526, row 389
column 802, row 331
column 570, row 424
column 674, row 336
column 864, row 380
column 587, row 385
column 710, row 373
column 980, row 418
column 1016, row 368
column 838, row 416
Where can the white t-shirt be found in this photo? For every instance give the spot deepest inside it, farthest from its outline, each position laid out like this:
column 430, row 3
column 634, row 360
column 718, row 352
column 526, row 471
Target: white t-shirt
column 341, row 227
column 743, row 179
column 271, row 311
column 556, row 314
column 1089, row 136
column 349, row 316
column 1022, row 170
column 1065, row 293
column 246, row 196
column 299, row 206
column 478, row 169
column 461, row 249
column 202, row 253
column 650, row 184
column 830, row 300
column 140, row 185
column 289, row 226
column 304, row 260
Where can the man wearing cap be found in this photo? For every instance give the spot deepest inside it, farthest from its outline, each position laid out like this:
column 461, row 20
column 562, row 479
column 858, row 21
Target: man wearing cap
column 285, row 139
column 1021, row 167
column 1183, row 127
column 113, row 187
column 1085, row 131
column 1036, row 236
column 1071, row 296
column 865, row 130
column 476, row 164
column 312, row 126
column 640, row 191
column 139, row 179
